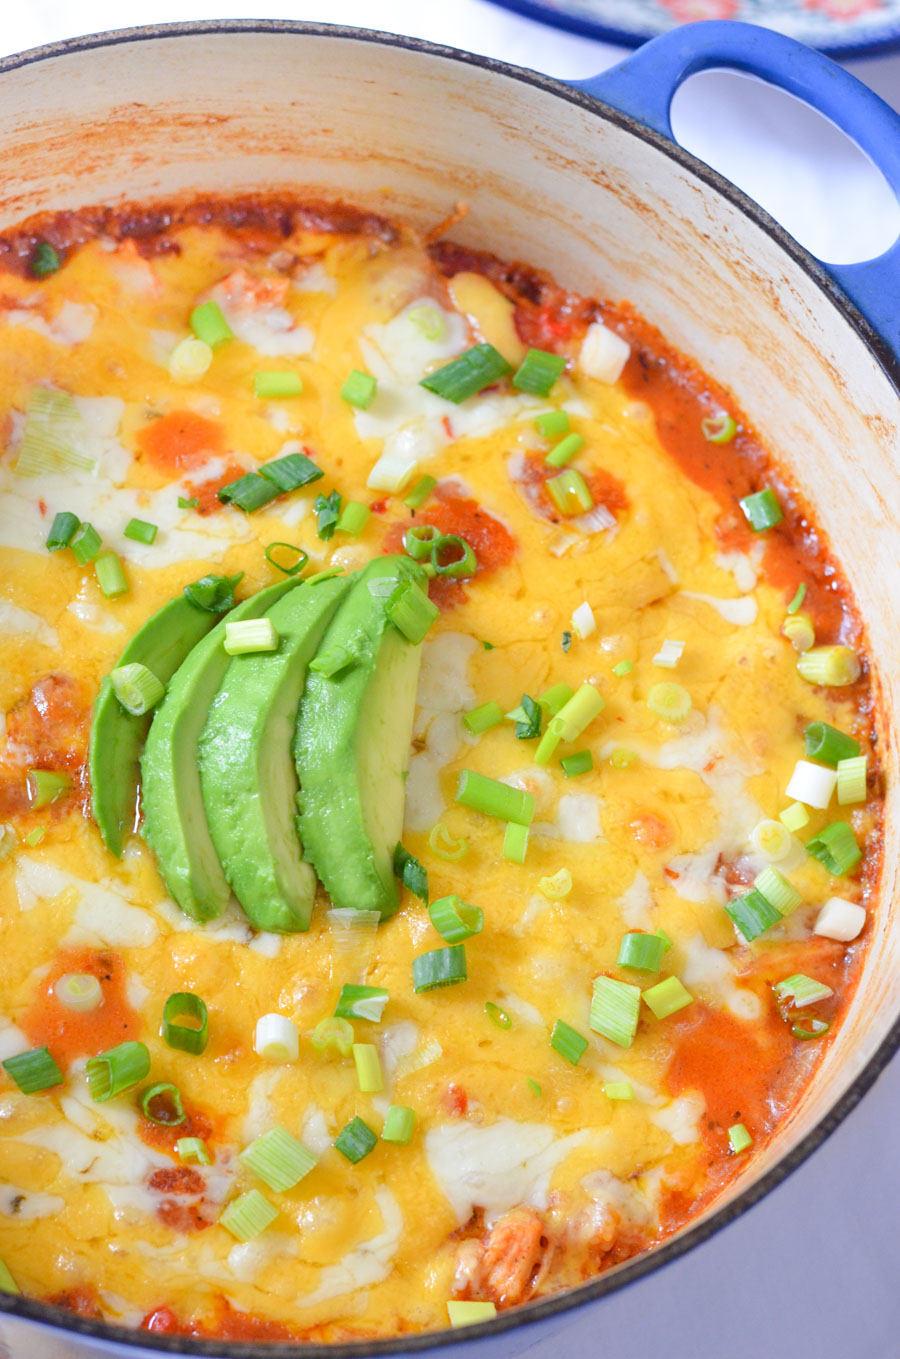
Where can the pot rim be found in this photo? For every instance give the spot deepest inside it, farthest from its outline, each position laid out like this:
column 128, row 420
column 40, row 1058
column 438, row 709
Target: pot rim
column 650, row 1261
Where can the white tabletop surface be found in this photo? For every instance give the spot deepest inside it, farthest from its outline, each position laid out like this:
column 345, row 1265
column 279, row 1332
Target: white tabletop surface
column 812, row 1271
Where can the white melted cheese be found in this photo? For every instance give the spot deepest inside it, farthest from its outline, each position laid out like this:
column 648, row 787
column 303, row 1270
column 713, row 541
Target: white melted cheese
column 636, row 904
column 260, row 1115
column 740, row 612
column 27, row 1204
column 741, row 566
column 12, row 1039
column 368, row 1263
column 578, row 818
column 680, row 1117
column 444, row 693
column 94, row 615
column 711, row 972
column 21, row 623
column 315, row 278
column 268, row 328
column 72, row 323
column 316, row 1134
column 497, row 1166
column 102, row 915
column 626, row 1201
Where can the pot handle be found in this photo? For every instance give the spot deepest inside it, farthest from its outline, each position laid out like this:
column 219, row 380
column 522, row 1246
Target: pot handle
column 644, row 85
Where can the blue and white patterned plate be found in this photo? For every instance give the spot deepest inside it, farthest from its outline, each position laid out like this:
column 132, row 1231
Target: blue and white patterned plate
column 842, row 28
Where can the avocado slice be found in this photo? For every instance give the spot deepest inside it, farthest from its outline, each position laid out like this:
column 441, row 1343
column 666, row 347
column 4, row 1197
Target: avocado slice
column 247, row 776
column 351, row 745
column 116, row 735
column 174, row 818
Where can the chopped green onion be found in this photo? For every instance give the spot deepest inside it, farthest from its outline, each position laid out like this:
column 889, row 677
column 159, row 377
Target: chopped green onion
column 499, row 1017
column 328, row 511
column 568, row 1042
column 534, row 1087
column 482, row 719
column 474, row 370
column 615, row 1008
column 45, row 787
column 851, row 781
column 442, row 844
column 411, row 873
column 7, row 1282
column 464, row 1313
column 739, row 1138
column 359, row 389
column 515, row 843
column 439, row 967
column 293, row 564
column 208, row 324
column 85, row 543
column 667, row 997
column 110, row 574
column 411, row 611
column 829, row 745
column 419, row 540
column 812, row 783
column 582, row 762
column 45, row 260
column 753, row 914
column 35, row 836
column 290, row 472
column 669, row 701
column 280, row 382
column 428, row 319
column 213, row 594
column 249, row 492
column 137, row 688
column 836, row 848
column 553, row 700
column 667, row 942
column 420, row 492
column 795, row 817
column 333, row 1033
column 79, row 991
column 190, row 360
column 250, row 635
column 623, row 759
column 52, row 436
column 551, row 423
column 834, row 666
column 493, row 798
column 161, row 1104
column 527, row 717
column 140, row 531
column 669, row 654
column 454, row 919
column 248, row 1216
column 569, row 492
column 776, row 889
column 623, row 668
column 368, row 1068
column 185, row 1037
column 642, row 952
column 568, row 724
column 276, row 1038
column 801, row 991
column 566, row 641
column 194, row 1149
column 538, row 371
column 278, row 1159
column 799, row 631
column 556, row 887
column 33, row 1071
column 63, row 529
column 718, row 429
column 762, row 510
column 355, row 1140
column 116, row 1070
column 798, row 598
column 618, row 1090
column 459, row 566
column 399, row 1122
column 361, row 1002
column 354, row 517
column 188, row 502
column 810, row 1027
column 565, row 450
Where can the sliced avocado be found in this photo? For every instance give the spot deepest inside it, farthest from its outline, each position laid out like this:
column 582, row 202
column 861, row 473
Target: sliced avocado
column 116, row 735
column 247, row 776
column 352, row 744
column 174, row 818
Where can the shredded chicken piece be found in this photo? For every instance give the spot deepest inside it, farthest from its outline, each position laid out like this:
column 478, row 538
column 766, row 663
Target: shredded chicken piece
column 513, row 1251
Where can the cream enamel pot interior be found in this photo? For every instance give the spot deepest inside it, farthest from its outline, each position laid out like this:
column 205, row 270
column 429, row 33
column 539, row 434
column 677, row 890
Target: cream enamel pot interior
column 605, row 200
